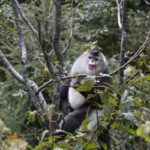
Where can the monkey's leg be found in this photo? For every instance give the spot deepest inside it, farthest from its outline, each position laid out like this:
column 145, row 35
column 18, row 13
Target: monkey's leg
column 73, row 120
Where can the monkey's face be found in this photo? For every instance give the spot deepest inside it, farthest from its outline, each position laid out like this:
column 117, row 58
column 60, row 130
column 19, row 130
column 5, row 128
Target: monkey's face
column 90, row 63
column 95, row 62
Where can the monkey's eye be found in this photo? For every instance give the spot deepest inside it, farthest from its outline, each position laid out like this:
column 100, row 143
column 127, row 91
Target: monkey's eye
column 96, row 59
column 90, row 57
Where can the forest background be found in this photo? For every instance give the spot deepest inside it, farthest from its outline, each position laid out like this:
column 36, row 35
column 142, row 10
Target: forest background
column 39, row 40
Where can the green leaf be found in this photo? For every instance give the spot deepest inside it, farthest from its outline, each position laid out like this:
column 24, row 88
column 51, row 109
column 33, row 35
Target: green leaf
column 63, row 145
column 113, row 101
column 91, row 145
column 128, row 130
column 86, row 85
column 147, row 77
column 144, row 131
column 129, row 116
column 103, row 145
column 78, row 147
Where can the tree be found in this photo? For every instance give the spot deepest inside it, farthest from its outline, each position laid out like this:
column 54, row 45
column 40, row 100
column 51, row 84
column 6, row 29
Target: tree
column 49, row 41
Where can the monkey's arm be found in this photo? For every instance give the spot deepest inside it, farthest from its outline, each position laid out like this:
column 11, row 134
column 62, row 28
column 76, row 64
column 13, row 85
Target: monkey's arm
column 99, row 84
column 64, row 105
column 73, row 120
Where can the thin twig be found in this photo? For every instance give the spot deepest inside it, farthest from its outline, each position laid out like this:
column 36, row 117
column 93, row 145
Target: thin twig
column 132, row 77
column 45, row 50
column 25, row 18
column 45, row 47
column 71, row 31
column 75, row 76
column 90, row 139
column 139, row 51
column 68, row 77
column 84, row 75
column 43, row 86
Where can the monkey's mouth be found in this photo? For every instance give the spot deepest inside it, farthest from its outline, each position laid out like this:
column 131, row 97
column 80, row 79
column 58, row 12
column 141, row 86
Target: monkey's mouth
column 92, row 67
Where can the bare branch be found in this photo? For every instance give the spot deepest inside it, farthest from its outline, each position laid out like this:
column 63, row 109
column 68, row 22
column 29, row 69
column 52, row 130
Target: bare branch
column 43, row 86
column 19, row 77
column 57, row 31
column 45, row 47
column 24, row 60
column 69, row 77
column 10, row 68
column 45, row 50
column 25, row 18
column 121, row 23
column 69, row 42
column 118, row 14
column 75, row 76
column 71, row 31
column 139, row 51
column 132, row 77
column 55, row 71
column 147, row 2
column 38, row 101
column 58, row 53
column 101, row 75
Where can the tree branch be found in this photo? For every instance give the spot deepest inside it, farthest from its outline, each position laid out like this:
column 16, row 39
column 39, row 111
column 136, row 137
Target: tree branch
column 121, row 23
column 71, row 31
column 10, row 68
column 45, row 50
column 118, row 14
column 132, row 77
column 43, row 86
column 19, row 77
column 25, row 18
column 24, row 61
column 56, row 38
column 44, row 45
column 139, row 51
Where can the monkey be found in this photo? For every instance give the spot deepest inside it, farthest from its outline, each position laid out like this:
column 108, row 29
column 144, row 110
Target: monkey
column 90, row 63
column 74, row 105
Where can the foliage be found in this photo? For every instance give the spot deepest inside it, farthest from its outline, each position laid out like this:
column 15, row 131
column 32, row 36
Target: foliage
column 85, row 21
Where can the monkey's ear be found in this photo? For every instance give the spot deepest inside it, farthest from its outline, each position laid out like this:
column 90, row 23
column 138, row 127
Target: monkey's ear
column 86, row 52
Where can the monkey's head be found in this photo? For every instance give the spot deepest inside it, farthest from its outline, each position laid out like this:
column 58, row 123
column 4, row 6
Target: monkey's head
column 92, row 62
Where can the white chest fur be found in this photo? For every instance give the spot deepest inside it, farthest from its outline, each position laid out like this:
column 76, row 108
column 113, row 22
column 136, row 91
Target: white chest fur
column 75, row 98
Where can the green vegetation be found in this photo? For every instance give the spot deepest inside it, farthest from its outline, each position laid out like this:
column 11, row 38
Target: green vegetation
column 82, row 23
